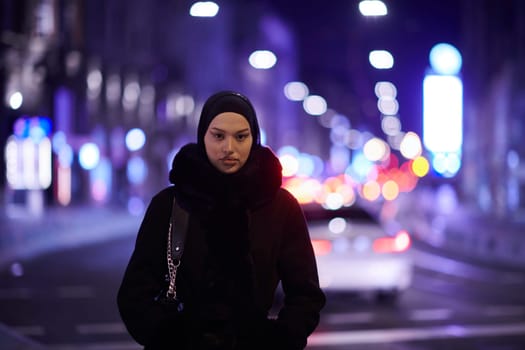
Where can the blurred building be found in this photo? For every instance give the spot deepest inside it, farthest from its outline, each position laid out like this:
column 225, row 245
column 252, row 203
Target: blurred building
column 493, row 177
column 99, row 69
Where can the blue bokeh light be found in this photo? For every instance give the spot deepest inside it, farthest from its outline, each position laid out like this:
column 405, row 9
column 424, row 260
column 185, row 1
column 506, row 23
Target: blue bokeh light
column 445, row 59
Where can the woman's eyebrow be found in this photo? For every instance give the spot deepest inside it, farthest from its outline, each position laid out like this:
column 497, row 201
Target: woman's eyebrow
column 214, row 128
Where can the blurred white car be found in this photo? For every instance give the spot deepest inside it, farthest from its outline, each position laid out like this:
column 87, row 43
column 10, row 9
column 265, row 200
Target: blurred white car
column 355, row 253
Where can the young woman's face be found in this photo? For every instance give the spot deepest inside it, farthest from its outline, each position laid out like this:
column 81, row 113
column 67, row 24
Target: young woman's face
column 228, row 142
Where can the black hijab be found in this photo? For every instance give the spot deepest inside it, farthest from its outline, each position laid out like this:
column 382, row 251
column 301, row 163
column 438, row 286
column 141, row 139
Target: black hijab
column 228, row 101
column 199, row 186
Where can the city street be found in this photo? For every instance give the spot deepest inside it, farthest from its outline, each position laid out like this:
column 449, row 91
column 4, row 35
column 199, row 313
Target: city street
column 65, row 299
column 398, row 126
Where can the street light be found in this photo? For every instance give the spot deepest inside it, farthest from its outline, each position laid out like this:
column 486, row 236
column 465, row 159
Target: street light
column 381, row 59
column 373, row 8
column 204, row 9
column 445, row 59
column 315, row 105
column 296, row 91
column 15, row 100
column 262, row 59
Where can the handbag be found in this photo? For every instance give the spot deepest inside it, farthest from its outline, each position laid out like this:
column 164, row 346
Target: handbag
column 174, row 248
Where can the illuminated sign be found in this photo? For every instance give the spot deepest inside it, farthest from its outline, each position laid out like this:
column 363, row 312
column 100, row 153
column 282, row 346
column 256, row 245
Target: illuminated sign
column 28, row 154
column 443, row 113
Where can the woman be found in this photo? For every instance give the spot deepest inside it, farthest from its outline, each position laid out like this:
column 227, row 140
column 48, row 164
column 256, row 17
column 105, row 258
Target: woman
column 245, row 235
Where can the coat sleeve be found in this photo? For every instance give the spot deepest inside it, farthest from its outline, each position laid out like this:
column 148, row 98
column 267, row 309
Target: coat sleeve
column 146, row 319
column 303, row 297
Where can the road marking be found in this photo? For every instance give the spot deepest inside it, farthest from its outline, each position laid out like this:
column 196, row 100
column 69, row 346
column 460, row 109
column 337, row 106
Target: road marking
column 15, row 293
column 76, row 292
column 101, row 328
column 409, row 334
column 342, row 318
column 421, row 315
column 430, row 315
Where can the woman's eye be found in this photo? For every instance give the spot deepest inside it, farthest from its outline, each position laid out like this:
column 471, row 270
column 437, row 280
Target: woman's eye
column 242, row 137
column 218, row 136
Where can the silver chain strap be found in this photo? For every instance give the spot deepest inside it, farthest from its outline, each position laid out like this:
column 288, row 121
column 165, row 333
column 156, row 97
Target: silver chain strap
column 172, row 269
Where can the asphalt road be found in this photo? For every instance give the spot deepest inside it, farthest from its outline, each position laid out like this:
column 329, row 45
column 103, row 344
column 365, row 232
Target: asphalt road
column 66, row 300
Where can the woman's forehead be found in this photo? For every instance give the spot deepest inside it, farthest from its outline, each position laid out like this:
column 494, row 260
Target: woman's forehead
column 229, row 120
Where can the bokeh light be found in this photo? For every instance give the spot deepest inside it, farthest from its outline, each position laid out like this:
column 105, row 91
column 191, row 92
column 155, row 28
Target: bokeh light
column 290, row 164
column 420, row 166
column 381, row 59
column 410, row 146
column 373, row 8
column 262, row 59
column 15, row 100
column 445, row 59
column 371, row 190
column 385, row 89
column 337, row 225
column 296, row 91
column 137, row 170
column 315, row 105
column 375, row 149
column 204, row 9
column 135, row 139
column 390, row 190
column 89, row 156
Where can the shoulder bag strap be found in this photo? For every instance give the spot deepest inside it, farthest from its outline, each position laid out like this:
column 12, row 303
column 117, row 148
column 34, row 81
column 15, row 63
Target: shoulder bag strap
column 176, row 235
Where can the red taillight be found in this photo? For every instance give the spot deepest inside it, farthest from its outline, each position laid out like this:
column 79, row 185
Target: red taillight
column 321, row 247
column 399, row 243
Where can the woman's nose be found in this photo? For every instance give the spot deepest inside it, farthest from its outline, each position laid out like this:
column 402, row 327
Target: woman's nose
column 228, row 145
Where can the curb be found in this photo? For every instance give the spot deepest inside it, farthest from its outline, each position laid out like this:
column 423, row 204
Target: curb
column 466, row 232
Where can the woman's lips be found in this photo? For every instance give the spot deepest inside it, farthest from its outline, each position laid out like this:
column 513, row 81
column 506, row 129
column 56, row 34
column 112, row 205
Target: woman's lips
column 229, row 161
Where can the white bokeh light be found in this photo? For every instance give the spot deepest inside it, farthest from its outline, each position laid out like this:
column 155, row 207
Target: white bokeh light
column 89, row 156
column 135, row 139
column 262, row 59
column 337, row 225
column 375, row 149
column 373, row 8
column 315, row 105
column 410, row 146
column 15, row 100
column 381, row 59
column 204, row 9
column 296, row 91
column 445, row 59
column 384, row 89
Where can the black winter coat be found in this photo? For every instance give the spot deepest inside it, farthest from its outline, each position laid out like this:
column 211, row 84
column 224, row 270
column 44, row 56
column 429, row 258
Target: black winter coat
column 221, row 290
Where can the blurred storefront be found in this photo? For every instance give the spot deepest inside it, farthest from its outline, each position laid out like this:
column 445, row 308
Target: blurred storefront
column 100, row 70
column 122, row 83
